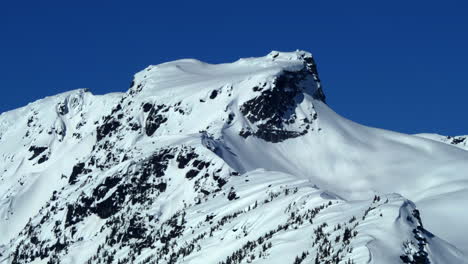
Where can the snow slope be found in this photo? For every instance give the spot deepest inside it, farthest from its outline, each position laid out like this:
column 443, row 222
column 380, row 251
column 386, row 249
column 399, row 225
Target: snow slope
column 459, row 141
column 231, row 163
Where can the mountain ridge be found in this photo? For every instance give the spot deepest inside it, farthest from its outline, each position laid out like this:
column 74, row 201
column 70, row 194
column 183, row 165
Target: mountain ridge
column 197, row 152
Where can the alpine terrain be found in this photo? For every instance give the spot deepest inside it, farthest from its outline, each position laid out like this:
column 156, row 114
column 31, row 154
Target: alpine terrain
column 231, row 163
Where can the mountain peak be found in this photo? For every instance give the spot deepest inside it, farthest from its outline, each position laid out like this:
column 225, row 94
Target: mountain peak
column 295, row 55
column 182, row 78
column 274, row 93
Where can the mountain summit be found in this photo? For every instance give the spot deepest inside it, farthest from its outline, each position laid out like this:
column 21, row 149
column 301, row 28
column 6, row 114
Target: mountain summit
column 241, row 162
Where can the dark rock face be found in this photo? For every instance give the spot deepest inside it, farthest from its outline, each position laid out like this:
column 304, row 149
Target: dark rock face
column 232, row 195
column 62, row 108
column 102, row 189
column 42, row 159
column 421, row 255
column 78, row 211
column 147, row 107
column 111, row 205
column 184, row 158
column 109, row 197
column 191, row 174
column 110, row 125
column 78, row 169
column 213, row 94
column 36, row 151
column 277, row 135
column 274, row 104
column 273, row 111
column 311, row 67
column 154, row 120
column 456, row 140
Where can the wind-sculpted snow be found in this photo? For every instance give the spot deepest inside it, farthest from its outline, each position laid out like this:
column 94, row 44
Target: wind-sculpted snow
column 229, row 163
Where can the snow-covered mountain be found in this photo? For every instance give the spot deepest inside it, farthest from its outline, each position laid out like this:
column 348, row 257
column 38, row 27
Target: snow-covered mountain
column 231, row 163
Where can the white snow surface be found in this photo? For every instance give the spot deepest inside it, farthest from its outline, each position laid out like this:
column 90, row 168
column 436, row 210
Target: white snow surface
column 241, row 162
column 458, row 141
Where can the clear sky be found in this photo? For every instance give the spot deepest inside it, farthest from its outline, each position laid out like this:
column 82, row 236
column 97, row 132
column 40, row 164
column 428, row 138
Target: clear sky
column 399, row 65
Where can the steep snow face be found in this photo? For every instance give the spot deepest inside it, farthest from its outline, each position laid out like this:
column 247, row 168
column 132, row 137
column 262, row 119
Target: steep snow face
column 231, row 163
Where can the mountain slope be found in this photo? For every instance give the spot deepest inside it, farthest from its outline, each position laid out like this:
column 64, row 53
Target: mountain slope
column 459, row 141
column 229, row 163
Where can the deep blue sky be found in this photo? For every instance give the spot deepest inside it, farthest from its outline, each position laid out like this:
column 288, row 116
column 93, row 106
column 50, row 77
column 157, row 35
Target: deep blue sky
column 399, row 65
